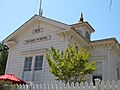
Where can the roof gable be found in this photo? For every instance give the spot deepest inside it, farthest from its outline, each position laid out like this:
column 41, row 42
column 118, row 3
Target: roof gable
column 109, row 41
column 86, row 24
column 36, row 17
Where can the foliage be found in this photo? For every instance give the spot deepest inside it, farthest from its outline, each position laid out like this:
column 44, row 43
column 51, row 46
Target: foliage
column 6, row 85
column 3, row 57
column 3, row 82
column 70, row 65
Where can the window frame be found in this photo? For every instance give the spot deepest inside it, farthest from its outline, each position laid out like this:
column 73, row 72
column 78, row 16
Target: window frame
column 27, row 69
column 97, row 75
column 38, row 63
column 87, row 35
column 32, row 67
column 40, row 69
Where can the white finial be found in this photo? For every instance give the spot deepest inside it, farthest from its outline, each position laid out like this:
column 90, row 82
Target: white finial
column 40, row 9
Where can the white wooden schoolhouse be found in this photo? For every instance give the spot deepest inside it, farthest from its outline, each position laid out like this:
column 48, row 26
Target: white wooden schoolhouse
column 29, row 43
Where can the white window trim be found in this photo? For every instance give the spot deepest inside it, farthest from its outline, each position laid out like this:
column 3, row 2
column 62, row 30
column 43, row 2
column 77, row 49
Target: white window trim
column 33, row 53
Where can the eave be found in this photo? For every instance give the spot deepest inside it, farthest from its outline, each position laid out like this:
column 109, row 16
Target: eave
column 86, row 24
column 108, row 41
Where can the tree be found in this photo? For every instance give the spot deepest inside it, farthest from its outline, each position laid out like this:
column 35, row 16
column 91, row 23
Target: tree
column 3, row 57
column 70, row 65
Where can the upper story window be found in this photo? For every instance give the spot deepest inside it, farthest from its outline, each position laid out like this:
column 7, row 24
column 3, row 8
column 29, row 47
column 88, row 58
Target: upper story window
column 87, row 35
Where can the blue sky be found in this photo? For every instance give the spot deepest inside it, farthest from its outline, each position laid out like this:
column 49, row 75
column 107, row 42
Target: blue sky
column 13, row 13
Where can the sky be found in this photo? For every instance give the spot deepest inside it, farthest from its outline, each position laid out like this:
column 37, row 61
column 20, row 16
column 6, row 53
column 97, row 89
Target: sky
column 106, row 22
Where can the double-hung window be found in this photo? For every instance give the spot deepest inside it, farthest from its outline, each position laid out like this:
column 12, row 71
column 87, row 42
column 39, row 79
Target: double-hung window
column 98, row 72
column 33, row 68
column 27, row 69
column 37, row 75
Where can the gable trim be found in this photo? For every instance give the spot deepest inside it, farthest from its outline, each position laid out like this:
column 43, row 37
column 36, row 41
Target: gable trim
column 53, row 22
column 12, row 34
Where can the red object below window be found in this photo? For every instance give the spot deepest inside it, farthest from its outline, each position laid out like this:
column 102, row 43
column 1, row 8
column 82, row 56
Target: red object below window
column 12, row 78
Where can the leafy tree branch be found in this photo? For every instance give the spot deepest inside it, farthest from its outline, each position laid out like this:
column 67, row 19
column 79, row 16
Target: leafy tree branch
column 70, row 65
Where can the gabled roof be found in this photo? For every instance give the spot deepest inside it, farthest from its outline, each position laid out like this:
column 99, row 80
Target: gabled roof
column 89, row 26
column 12, row 34
column 80, row 35
column 103, row 41
column 41, row 18
column 86, row 24
column 54, row 22
column 109, row 42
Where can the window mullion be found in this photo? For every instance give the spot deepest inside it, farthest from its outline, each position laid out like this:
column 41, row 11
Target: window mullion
column 32, row 68
column 42, row 76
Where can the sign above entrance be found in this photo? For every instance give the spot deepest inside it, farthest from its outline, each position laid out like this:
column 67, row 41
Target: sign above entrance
column 39, row 39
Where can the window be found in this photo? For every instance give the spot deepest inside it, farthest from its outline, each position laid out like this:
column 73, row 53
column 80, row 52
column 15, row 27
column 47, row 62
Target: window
column 87, row 35
column 33, row 68
column 98, row 72
column 118, row 74
column 27, row 69
column 38, row 68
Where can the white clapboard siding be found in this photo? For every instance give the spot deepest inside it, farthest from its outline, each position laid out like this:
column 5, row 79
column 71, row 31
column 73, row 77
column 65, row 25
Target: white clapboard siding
column 16, row 56
column 99, row 85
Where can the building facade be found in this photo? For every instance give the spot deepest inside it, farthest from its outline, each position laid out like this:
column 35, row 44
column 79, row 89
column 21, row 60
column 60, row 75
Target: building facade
column 29, row 43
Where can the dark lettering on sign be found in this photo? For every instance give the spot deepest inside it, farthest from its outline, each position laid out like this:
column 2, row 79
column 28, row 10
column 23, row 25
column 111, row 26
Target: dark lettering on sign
column 37, row 30
column 39, row 39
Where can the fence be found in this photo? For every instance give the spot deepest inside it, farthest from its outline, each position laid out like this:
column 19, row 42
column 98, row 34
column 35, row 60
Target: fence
column 99, row 85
